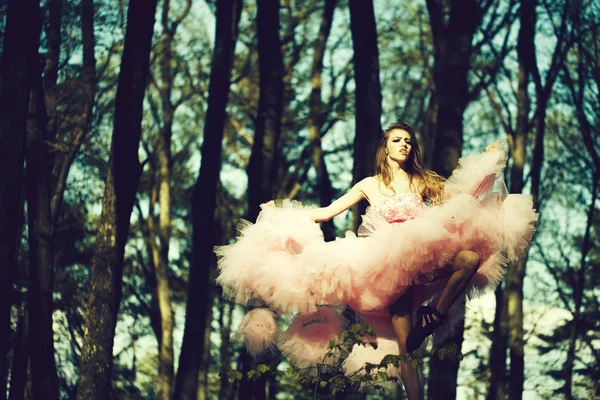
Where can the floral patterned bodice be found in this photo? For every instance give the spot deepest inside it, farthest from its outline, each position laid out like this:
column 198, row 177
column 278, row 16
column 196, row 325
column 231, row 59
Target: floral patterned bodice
column 400, row 208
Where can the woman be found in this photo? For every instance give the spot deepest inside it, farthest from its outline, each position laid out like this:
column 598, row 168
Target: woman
column 399, row 172
column 283, row 262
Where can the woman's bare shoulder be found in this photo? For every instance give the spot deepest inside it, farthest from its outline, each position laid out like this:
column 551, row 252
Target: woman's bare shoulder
column 368, row 182
column 368, row 186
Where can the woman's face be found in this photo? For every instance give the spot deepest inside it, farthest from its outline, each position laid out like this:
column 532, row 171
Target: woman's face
column 398, row 146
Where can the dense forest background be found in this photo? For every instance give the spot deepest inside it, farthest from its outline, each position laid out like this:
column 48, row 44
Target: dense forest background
column 134, row 135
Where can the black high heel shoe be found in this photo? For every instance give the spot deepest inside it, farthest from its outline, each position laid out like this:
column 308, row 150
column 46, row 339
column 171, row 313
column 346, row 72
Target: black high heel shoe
column 428, row 320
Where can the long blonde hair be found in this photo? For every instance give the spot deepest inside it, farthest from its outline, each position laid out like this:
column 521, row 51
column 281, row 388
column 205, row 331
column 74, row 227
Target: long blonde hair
column 432, row 184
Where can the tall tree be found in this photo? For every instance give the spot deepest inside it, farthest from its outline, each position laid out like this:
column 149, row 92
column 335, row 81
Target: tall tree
column 17, row 66
column 518, row 141
column 264, row 162
column 20, row 359
column 368, row 90
column 453, row 25
column 582, row 85
column 119, row 194
column 516, row 271
column 316, row 119
column 265, row 159
column 41, row 266
column 167, row 71
column 510, row 330
column 204, row 200
column 45, row 194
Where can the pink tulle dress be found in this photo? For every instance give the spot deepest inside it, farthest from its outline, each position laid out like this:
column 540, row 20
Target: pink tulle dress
column 283, row 262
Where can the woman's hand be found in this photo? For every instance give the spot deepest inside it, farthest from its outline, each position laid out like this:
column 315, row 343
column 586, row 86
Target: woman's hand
column 316, row 214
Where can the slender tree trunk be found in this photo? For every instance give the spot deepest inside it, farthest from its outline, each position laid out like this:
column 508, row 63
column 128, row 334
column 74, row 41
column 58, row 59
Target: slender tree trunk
column 153, row 259
column 18, row 377
column 367, row 94
column 265, row 158
column 516, row 271
column 512, row 299
column 585, row 63
column 161, row 266
column 19, row 56
column 316, row 118
column 161, row 270
column 204, row 365
column 453, row 24
column 166, row 374
column 578, row 290
column 226, row 314
column 41, row 254
column 444, row 386
column 123, row 176
column 204, row 200
column 497, row 384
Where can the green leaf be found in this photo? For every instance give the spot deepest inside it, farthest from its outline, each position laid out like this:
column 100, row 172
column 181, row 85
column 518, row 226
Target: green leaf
column 262, row 368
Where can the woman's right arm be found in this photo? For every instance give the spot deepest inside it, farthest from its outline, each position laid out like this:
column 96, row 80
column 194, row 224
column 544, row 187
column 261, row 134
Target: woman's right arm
column 340, row 205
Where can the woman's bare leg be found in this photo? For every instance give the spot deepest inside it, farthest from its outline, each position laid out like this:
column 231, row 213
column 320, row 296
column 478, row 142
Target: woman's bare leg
column 402, row 323
column 465, row 266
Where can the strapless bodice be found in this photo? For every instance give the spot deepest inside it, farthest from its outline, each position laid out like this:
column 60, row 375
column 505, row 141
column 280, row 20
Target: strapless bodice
column 400, row 208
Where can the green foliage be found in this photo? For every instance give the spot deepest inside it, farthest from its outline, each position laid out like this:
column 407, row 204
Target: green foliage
column 328, row 377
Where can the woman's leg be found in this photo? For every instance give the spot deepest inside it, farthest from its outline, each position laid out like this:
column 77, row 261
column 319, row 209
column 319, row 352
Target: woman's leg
column 402, row 323
column 465, row 266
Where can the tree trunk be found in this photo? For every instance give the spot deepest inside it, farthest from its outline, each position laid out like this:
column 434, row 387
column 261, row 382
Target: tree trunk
column 20, row 359
column 316, row 118
column 165, row 165
column 367, row 94
column 202, row 393
column 226, row 309
column 497, row 384
column 516, row 271
column 506, row 328
column 453, row 24
column 41, row 254
column 443, row 373
column 123, row 176
column 585, row 67
column 265, row 158
column 204, row 200
column 578, row 290
column 19, row 56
